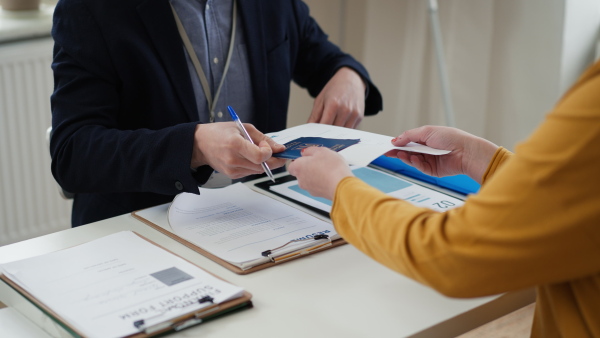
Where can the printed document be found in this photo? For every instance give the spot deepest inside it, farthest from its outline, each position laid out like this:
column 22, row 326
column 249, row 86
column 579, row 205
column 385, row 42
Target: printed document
column 237, row 224
column 102, row 287
column 389, row 184
column 370, row 147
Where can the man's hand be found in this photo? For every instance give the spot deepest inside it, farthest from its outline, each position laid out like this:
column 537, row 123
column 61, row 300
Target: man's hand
column 222, row 146
column 342, row 100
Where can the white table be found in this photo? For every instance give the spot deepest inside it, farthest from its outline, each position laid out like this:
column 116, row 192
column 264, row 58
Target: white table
column 335, row 293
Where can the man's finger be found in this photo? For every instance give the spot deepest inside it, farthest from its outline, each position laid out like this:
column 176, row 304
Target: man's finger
column 329, row 114
column 251, row 152
column 258, row 137
column 341, row 117
column 353, row 121
column 317, row 111
column 275, row 147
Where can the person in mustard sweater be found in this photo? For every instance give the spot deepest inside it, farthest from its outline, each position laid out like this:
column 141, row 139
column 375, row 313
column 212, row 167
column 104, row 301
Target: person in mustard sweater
column 534, row 222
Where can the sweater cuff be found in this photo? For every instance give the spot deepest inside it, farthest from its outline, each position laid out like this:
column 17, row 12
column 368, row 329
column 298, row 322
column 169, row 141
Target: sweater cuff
column 338, row 189
column 500, row 156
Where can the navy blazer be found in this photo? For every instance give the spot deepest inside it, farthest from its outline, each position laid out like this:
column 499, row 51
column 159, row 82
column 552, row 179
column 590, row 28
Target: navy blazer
column 123, row 107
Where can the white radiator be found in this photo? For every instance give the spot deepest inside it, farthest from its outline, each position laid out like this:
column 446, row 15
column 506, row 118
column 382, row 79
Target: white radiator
column 30, row 204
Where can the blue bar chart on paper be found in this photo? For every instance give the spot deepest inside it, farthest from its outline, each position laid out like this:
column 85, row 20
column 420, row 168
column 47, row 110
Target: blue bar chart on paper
column 389, row 184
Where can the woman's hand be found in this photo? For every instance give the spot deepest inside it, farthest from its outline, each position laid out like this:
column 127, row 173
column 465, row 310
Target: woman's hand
column 469, row 154
column 319, row 171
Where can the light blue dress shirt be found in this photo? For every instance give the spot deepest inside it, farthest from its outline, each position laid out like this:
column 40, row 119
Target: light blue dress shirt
column 208, row 25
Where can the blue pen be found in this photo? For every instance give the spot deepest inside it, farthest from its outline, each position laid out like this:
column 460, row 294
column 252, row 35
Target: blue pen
column 237, row 121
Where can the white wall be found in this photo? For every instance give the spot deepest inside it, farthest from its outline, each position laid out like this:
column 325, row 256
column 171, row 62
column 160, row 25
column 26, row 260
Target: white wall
column 580, row 37
column 524, row 80
column 509, row 61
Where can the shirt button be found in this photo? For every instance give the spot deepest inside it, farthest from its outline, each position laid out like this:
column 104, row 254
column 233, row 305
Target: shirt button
column 207, row 6
column 220, row 114
column 216, row 60
column 178, row 185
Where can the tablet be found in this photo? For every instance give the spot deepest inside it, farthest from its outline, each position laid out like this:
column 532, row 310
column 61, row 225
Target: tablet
column 418, row 193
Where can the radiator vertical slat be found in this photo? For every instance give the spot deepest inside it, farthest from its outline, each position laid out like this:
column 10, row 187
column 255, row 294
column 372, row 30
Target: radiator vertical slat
column 26, row 156
column 47, row 185
column 36, row 148
column 12, row 199
column 8, row 218
column 20, row 156
column 32, row 117
column 3, row 174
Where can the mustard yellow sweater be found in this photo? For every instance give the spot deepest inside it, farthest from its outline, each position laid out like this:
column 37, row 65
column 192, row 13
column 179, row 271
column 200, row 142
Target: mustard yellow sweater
column 535, row 222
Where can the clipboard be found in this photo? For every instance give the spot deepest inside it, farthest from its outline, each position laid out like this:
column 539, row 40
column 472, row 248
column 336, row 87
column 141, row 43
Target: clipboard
column 224, row 263
column 187, row 320
column 231, row 267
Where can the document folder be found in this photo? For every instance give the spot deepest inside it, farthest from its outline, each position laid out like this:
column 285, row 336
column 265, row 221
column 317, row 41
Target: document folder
column 148, row 326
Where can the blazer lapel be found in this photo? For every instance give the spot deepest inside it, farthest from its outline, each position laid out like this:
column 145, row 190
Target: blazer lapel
column 252, row 22
column 160, row 24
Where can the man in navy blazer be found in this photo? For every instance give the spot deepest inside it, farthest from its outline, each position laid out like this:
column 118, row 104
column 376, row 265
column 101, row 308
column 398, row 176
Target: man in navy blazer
column 126, row 131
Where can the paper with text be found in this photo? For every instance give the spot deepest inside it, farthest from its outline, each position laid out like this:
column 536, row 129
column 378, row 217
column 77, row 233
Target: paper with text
column 370, row 147
column 102, row 287
column 237, row 224
column 389, row 184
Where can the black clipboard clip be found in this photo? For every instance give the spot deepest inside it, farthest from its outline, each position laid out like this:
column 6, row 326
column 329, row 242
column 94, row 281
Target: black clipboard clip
column 178, row 325
column 303, row 251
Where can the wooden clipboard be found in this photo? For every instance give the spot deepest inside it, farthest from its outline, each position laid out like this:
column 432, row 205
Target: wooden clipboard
column 205, row 314
column 222, row 262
